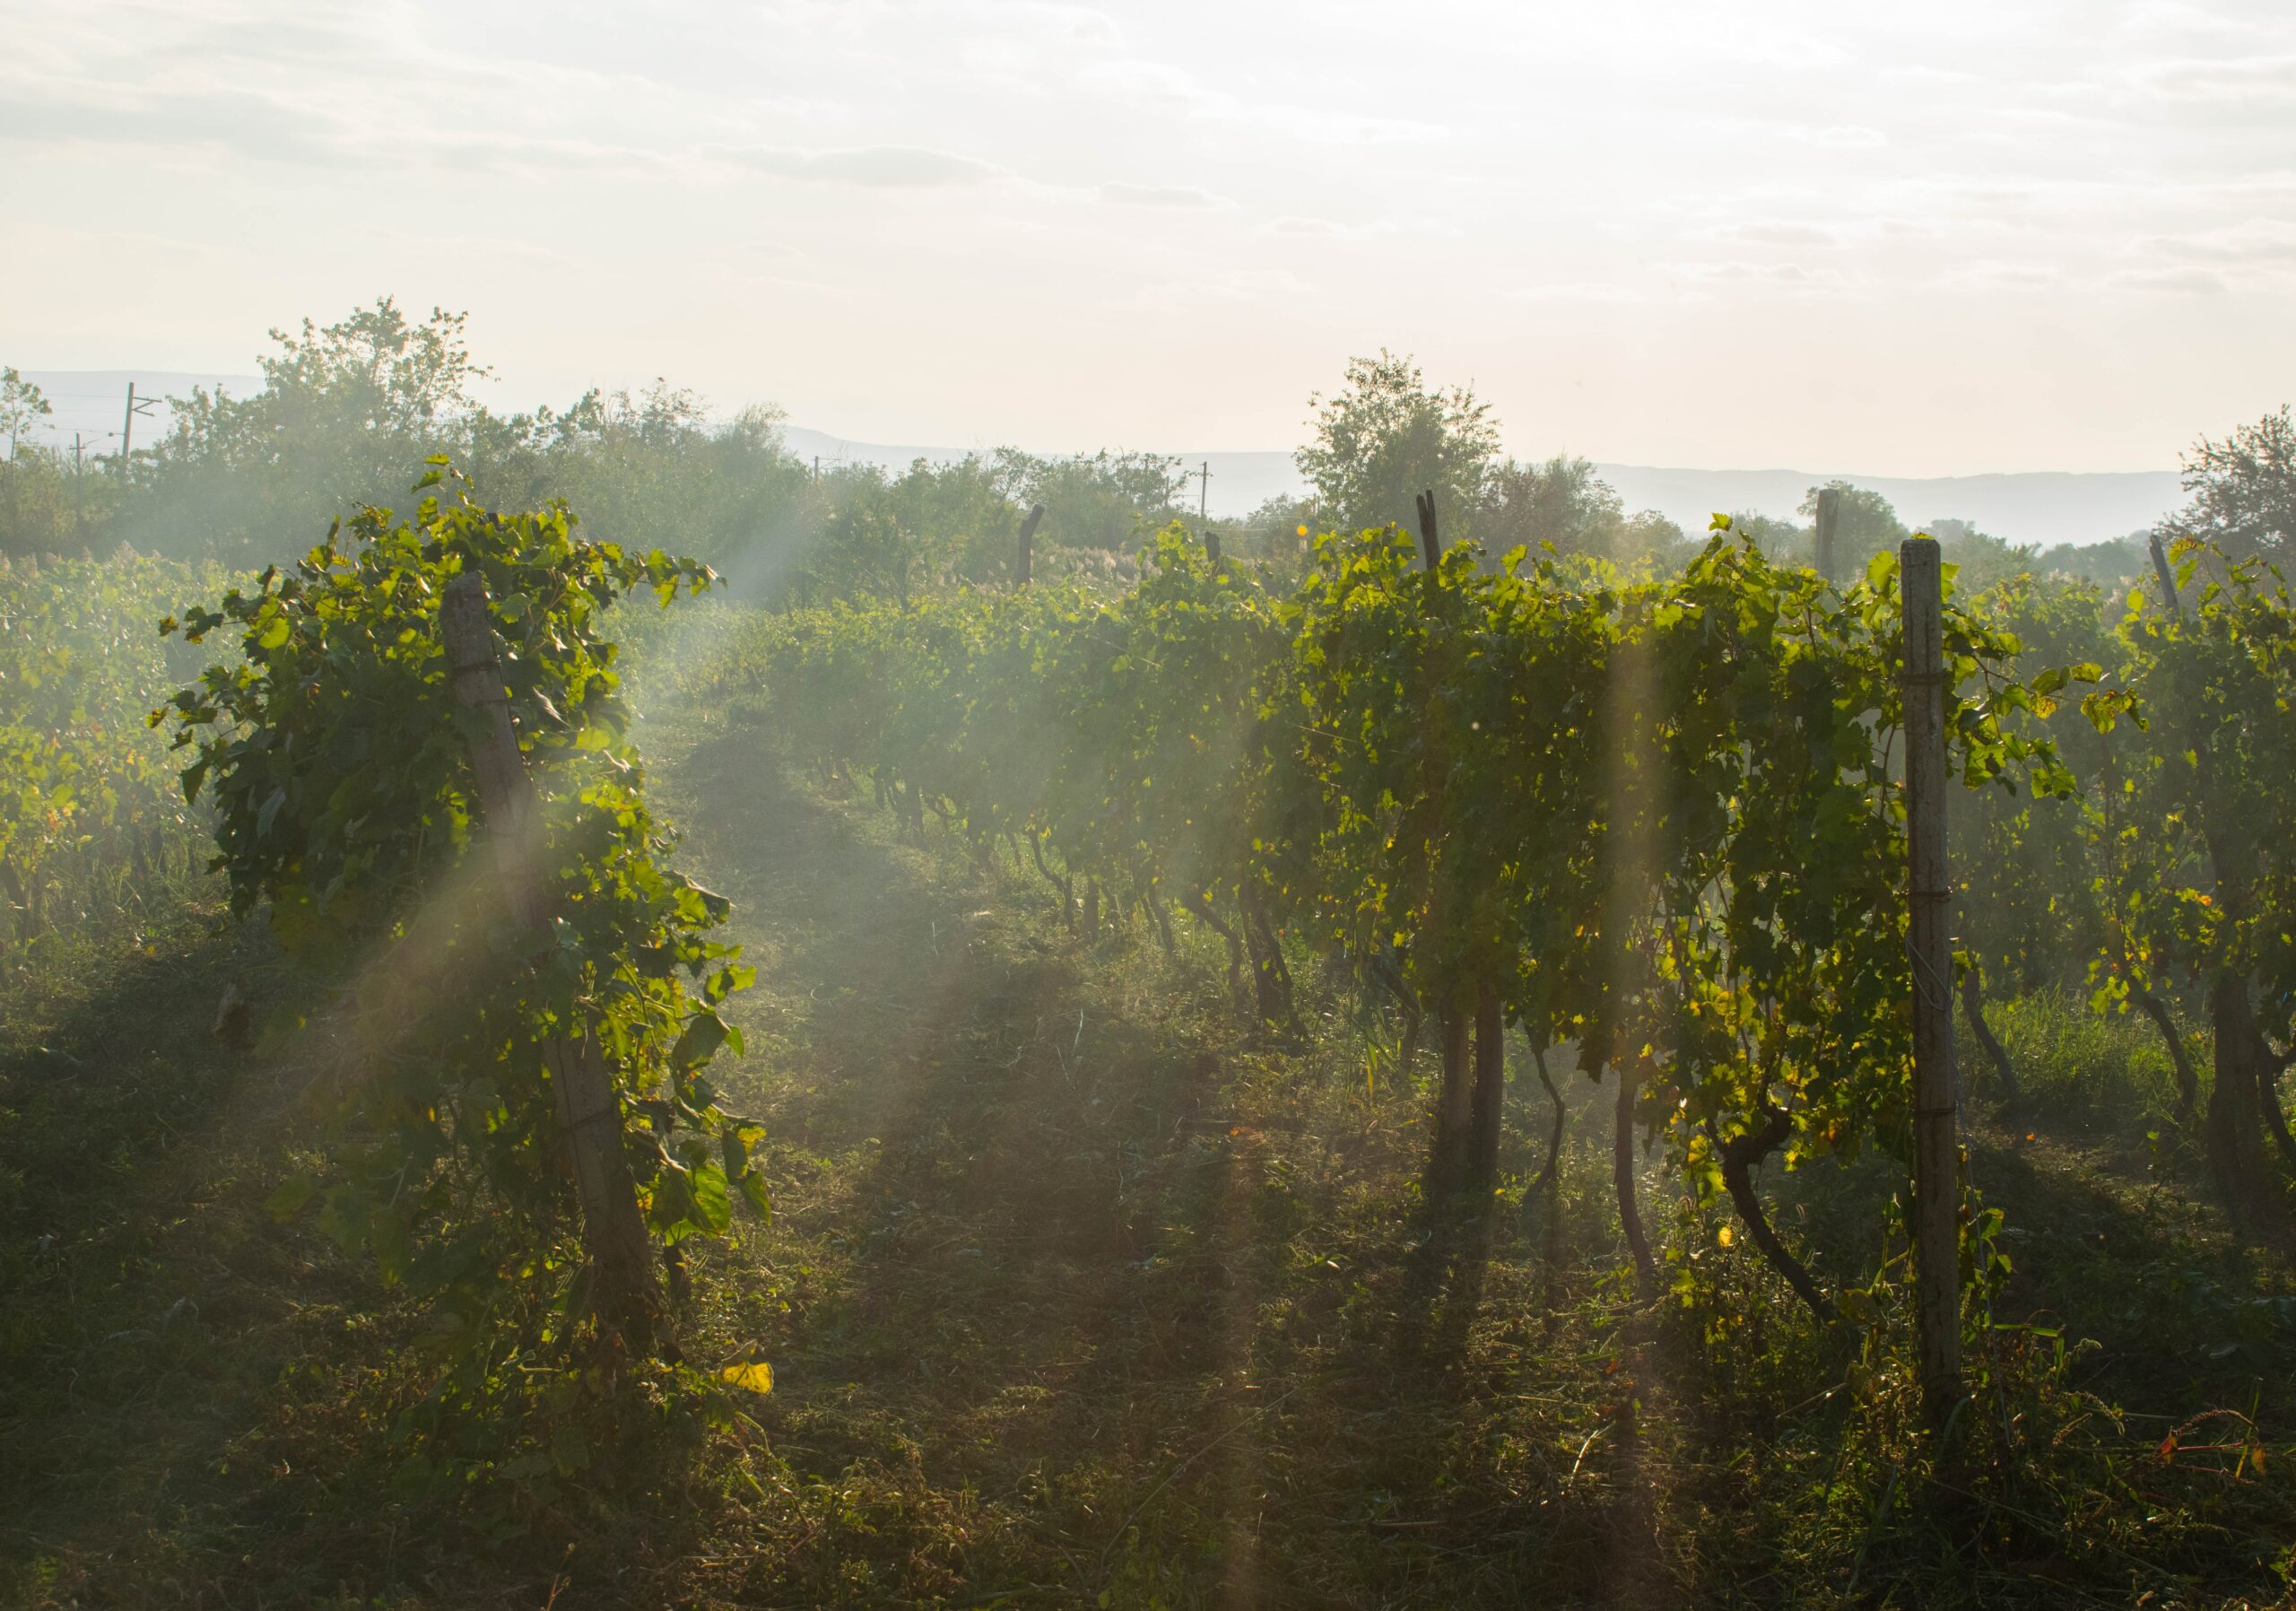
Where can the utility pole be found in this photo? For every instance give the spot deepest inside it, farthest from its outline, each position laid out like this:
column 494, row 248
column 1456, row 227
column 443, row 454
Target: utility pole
column 127, row 426
column 1203, row 477
column 1936, row 1143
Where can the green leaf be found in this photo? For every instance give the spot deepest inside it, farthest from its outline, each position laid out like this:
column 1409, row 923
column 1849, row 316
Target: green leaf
column 704, row 1033
column 754, row 1193
column 288, row 1200
column 713, row 1203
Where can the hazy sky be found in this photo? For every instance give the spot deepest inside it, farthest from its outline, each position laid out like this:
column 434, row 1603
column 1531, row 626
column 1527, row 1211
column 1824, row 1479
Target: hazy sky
column 1911, row 240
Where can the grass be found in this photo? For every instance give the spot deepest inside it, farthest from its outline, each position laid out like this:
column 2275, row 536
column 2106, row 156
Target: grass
column 1077, row 1292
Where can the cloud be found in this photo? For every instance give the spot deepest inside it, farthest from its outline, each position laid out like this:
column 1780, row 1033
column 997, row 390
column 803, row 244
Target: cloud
column 1997, row 272
column 2172, row 281
column 868, row 167
column 1779, row 232
column 1774, row 273
column 1232, row 287
column 1322, row 127
column 2259, row 240
column 1328, row 229
column 1158, row 196
column 1582, row 291
column 2254, row 78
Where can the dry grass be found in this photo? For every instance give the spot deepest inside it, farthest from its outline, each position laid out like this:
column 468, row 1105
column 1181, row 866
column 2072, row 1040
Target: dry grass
column 1079, row 1295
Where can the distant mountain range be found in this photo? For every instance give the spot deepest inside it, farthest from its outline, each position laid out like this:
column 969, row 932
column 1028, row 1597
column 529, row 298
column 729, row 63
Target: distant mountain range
column 2034, row 506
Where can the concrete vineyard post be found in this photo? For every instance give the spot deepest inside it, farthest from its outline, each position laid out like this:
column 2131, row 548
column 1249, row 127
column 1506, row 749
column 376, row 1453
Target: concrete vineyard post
column 1936, row 1143
column 613, row 1233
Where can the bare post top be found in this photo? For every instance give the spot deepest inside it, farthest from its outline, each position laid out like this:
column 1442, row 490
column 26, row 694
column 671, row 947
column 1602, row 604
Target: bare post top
column 462, row 624
column 1827, row 523
column 1921, row 583
column 1428, row 540
column 2168, row 577
column 1027, row 531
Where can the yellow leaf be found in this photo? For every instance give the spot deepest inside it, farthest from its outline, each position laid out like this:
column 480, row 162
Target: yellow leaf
column 1725, row 1236
column 756, row 1375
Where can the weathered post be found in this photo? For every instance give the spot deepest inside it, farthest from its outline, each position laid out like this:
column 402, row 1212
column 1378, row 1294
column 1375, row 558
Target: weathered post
column 1451, row 1159
column 2168, row 577
column 1829, row 524
column 1028, row 533
column 1936, row 1145
column 588, row 1112
column 1212, row 548
column 1490, row 1099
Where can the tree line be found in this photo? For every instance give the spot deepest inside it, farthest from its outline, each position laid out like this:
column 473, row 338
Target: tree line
column 345, row 409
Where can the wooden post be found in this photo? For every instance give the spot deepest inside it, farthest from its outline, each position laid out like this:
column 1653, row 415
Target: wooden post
column 1489, row 1100
column 1212, row 548
column 1622, row 1171
column 589, row 1112
column 1028, row 532
column 1937, row 1146
column 1828, row 524
column 1428, row 542
column 2168, row 577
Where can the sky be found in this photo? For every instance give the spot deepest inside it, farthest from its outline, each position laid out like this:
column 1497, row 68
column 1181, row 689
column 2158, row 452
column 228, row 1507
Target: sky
column 1926, row 240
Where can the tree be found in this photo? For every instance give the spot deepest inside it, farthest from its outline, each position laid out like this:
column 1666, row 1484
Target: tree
column 2243, row 489
column 1981, row 559
column 2110, row 563
column 1105, row 501
column 1282, row 529
column 1565, row 503
column 346, row 416
column 1781, row 542
column 1386, row 436
column 1649, row 538
column 1562, row 501
column 1864, row 525
column 21, row 406
column 2217, row 681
